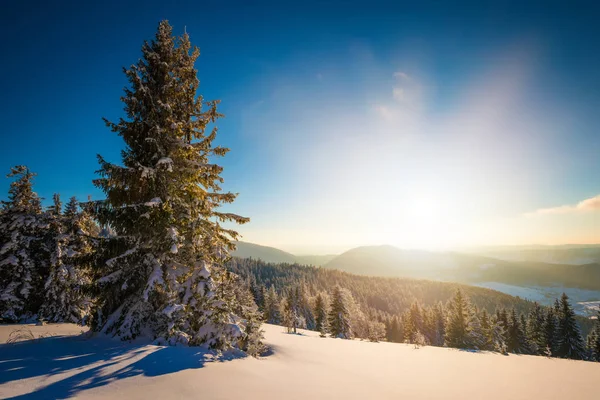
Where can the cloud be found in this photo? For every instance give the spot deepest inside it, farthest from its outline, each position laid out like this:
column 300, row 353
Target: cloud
column 384, row 112
column 401, row 75
column 398, row 93
column 591, row 204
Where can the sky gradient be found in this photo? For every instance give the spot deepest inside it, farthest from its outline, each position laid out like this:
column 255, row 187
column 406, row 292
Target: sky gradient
column 430, row 126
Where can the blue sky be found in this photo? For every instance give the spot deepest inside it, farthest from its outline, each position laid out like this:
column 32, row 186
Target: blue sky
column 431, row 125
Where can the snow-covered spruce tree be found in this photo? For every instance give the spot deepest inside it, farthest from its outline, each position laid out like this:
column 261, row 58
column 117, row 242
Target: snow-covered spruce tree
column 516, row 342
column 594, row 340
column 440, row 325
column 413, row 323
column 293, row 316
column 321, row 314
column 535, row 330
column 339, row 317
column 22, row 268
column 476, row 338
column 272, row 307
column 570, row 341
column 487, row 330
column 167, row 278
column 457, row 327
column 71, row 258
column 550, row 343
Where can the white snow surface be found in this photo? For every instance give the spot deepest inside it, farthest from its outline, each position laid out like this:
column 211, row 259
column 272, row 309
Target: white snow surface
column 583, row 300
column 300, row 367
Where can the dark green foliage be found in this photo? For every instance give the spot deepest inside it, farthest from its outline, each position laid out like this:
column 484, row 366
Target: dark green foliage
column 163, row 270
column 271, row 307
column 71, row 253
column 593, row 341
column 23, row 254
column 516, row 341
column 570, row 342
column 339, row 315
column 550, row 332
column 535, row 330
column 321, row 314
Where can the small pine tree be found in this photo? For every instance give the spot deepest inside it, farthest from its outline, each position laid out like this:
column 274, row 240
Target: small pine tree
column 487, row 330
column 413, row 323
column 72, row 257
column 535, row 330
column 550, row 340
column 516, row 336
column 457, row 327
column 271, row 307
column 476, row 338
column 339, row 317
column 594, row 340
column 22, row 262
column 321, row 315
column 292, row 316
column 570, row 343
column 498, row 336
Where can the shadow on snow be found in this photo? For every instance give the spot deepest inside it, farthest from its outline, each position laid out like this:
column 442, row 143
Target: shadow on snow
column 89, row 363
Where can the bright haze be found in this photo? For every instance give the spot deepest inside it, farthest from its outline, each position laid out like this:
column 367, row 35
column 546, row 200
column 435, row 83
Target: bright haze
column 421, row 126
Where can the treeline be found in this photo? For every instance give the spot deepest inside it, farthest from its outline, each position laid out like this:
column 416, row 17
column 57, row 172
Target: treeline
column 412, row 311
column 46, row 255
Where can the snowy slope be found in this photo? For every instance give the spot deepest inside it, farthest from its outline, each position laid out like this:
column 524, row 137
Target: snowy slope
column 301, row 367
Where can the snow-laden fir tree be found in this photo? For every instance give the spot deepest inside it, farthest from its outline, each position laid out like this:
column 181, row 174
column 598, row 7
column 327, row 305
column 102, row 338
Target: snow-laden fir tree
column 516, row 342
column 71, row 258
column 339, row 316
column 457, row 326
column 321, row 314
column 395, row 332
column 292, row 316
column 272, row 307
column 535, row 330
column 166, row 277
column 413, row 324
column 594, row 340
column 570, row 341
column 22, row 267
column 550, row 328
column 476, row 338
column 439, row 326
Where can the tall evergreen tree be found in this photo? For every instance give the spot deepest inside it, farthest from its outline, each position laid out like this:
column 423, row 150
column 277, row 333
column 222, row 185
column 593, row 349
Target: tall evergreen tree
column 550, row 332
column 22, row 267
column 535, row 330
column 166, row 275
column 487, row 330
column 439, row 324
column 476, row 338
column 321, row 315
column 272, row 307
column 594, row 340
column 516, row 342
column 339, row 318
column 292, row 317
column 457, row 327
column 570, row 342
column 413, row 324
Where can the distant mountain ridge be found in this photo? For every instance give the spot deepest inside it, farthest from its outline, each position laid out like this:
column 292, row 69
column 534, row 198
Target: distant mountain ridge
column 389, row 261
column 466, row 268
column 274, row 255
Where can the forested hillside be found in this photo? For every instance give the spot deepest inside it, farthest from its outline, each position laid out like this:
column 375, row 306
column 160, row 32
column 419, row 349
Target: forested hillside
column 466, row 268
column 413, row 311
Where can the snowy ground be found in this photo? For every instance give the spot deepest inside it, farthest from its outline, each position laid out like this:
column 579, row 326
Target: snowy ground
column 300, row 367
column 585, row 302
